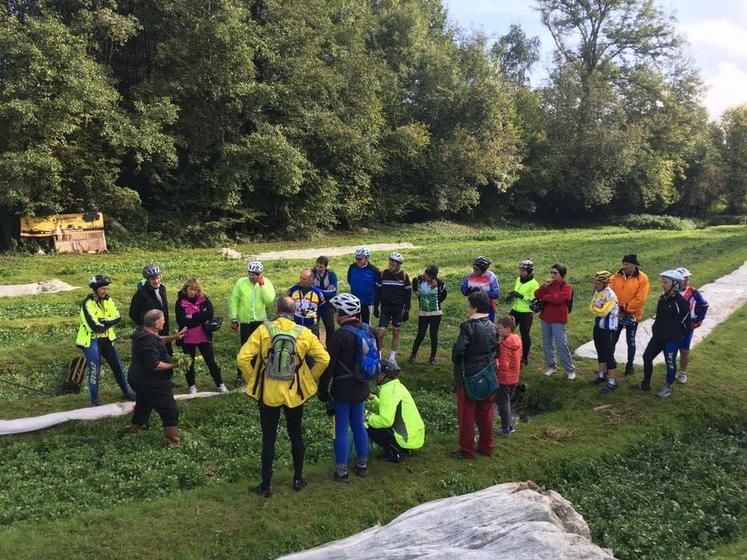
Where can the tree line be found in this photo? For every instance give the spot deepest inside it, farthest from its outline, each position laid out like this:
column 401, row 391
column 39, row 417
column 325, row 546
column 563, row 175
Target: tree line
column 210, row 117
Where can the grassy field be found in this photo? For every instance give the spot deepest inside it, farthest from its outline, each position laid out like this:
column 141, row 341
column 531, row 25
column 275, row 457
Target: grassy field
column 61, row 486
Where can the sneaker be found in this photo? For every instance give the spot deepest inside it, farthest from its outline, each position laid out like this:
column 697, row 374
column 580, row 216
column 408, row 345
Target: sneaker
column 239, row 383
column 130, row 396
column 572, row 376
column 550, row 371
column 222, row 388
column 96, row 403
column 299, row 484
column 682, row 377
column 262, row 490
column 598, row 379
column 664, row 392
column 391, row 456
column 640, row 386
column 361, row 471
column 411, row 360
column 432, row 360
column 337, row 478
column 524, row 361
column 629, row 369
column 193, row 389
column 507, row 432
column 609, row 388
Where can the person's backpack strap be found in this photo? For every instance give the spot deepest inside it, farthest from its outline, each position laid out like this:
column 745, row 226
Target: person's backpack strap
column 349, row 372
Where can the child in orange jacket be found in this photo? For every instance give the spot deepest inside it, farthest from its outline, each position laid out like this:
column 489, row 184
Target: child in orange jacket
column 509, row 364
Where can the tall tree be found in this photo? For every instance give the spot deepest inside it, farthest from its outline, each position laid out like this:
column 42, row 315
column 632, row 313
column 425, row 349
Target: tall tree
column 734, row 153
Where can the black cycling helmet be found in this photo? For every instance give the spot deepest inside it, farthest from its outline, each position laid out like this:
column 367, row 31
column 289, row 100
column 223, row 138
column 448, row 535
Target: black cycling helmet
column 482, row 262
column 99, row 281
column 389, row 369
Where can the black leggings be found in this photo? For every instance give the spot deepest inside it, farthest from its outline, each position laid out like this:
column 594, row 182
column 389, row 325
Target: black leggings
column 432, row 321
column 206, row 349
column 328, row 318
column 245, row 331
column 159, row 398
column 604, row 342
column 385, row 438
column 269, row 416
column 524, row 322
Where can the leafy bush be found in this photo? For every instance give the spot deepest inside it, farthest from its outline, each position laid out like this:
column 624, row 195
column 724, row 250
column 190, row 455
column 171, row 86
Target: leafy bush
column 671, row 497
column 726, row 220
column 651, row 221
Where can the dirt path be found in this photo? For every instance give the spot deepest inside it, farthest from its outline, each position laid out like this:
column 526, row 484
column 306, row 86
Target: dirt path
column 724, row 296
column 44, row 287
column 328, row 251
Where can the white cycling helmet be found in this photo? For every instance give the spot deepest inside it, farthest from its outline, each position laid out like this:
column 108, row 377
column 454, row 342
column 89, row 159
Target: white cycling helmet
column 526, row 264
column 362, row 252
column 255, row 267
column 151, row 270
column 396, row 257
column 674, row 275
column 685, row 273
column 346, row 304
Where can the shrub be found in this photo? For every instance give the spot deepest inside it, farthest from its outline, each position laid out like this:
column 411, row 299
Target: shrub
column 651, row 221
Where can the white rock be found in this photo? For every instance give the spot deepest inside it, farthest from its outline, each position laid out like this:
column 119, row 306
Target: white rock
column 516, row 521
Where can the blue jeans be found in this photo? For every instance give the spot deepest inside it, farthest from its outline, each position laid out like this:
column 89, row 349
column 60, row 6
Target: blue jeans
column 102, row 348
column 349, row 414
column 554, row 338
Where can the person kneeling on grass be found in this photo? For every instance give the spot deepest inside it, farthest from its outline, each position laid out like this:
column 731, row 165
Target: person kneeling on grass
column 394, row 421
column 509, row 364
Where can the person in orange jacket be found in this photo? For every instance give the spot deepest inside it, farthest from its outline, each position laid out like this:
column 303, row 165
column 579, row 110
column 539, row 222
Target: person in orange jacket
column 631, row 287
column 509, row 365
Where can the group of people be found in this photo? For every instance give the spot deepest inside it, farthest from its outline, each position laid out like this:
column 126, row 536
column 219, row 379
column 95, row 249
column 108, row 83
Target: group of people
column 283, row 362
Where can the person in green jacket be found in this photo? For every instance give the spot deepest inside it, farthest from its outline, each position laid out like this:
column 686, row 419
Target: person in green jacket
column 394, row 421
column 96, row 336
column 520, row 297
column 247, row 305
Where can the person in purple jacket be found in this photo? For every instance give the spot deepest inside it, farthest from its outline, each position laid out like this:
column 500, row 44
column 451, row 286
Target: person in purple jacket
column 483, row 280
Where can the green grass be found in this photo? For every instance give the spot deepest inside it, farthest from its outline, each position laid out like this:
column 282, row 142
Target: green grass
column 142, row 499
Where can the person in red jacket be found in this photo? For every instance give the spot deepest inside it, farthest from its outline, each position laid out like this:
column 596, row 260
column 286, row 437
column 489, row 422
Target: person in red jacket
column 556, row 296
column 509, row 365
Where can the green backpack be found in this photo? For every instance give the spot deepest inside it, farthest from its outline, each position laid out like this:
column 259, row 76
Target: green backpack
column 282, row 362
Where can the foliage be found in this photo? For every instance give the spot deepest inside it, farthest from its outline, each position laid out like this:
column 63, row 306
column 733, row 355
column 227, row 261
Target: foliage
column 734, row 153
column 653, row 221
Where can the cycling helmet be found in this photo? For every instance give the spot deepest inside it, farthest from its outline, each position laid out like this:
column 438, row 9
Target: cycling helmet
column 98, row 281
column 482, row 262
column 255, row 267
column 684, row 272
column 527, row 265
column 396, row 257
column 151, row 270
column 362, row 252
column 603, row 276
column 346, row 304
column 389, row 369
column 674, row 275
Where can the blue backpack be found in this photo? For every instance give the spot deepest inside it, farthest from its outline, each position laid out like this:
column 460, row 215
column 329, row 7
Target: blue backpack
column 367, row 359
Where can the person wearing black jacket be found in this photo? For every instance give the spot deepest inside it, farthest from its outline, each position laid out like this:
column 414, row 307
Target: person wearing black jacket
column 150, row 374
column 348, row 395
column 476, row 345
column 193, row 309
column 431, row 292
column 151, row 295
column 392, row 301
column 671, row 322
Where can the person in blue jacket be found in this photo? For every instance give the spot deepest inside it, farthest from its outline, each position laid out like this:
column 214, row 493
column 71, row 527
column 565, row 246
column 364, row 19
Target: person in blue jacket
column 362, row 277
column 482, row 280
column 326, row 281
column 307, row 301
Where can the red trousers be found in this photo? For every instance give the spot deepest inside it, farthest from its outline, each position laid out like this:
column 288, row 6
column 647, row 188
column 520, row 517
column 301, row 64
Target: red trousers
column 469, row 413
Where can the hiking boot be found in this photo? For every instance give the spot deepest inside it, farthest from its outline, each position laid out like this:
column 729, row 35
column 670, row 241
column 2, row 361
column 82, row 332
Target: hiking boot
column 550, row 371
column 411, row 359
column 572, row 376
column 682, row 377
column 598, row 379
column 361, row 471
column 339, row 478
column 640, row 386
column 391, row 456
column 508, row 431
column 299, row 484
column 664, row 392
column 222, row 388
column 609, row 388
column 193, row 389
column 239, row 383
column 629, row 369
column 262, row 490
column 432, row 360
column 171, row 435
column 130, row 396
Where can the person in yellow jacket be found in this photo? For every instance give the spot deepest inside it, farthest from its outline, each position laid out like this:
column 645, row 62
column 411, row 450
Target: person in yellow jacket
column 394, row 421
column 631, row 287
column 281, row 364
column 96, row 335
column 604, row 308
column 247, row 305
